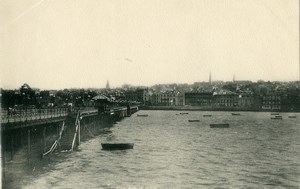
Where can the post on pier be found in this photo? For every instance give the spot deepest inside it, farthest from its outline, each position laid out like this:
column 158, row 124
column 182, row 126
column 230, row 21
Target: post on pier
column 28, row 146
column 3, row 150
column 57, row 130
column 93, row 125
column 11, row 146
column 21, row 137
column 60, row 129
column 79, row 131
column 44, row 139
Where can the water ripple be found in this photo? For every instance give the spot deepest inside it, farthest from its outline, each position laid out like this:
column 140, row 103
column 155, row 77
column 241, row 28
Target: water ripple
column 170, row 152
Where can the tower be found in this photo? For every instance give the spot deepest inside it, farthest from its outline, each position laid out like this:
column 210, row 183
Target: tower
column 233, row 78
column 210, row 78
column 107, row 85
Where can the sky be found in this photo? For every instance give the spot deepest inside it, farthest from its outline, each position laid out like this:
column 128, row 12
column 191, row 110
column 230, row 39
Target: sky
column 56, row 44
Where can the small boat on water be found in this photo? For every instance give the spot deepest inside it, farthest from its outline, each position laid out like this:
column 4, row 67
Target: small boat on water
column 292, row 116
column 276, row 117
column 274, row 113
column 117, row 146
column 235, row 114
column 194, row 120
column 207, row 115
column 105, row 131
column 219, row 125
column 142, row 115
column 184, row 113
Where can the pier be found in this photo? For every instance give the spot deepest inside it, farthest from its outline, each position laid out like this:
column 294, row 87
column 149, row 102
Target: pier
column 34, row 134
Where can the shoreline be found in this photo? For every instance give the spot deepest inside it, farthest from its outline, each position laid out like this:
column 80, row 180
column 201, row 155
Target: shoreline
column 196, row 108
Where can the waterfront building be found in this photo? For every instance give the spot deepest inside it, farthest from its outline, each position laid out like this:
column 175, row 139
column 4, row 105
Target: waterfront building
column 198, row 98
column 225, row 99
column 168, row 98
column 249, row 102
column 271, row 102
column 138, row 95
column 245, row 101
column 155, row 98
column 290, row 102
column 180, row 100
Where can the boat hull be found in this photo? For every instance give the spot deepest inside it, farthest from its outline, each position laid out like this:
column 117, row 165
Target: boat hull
column 142, row 115
column 117, row 146
column 196, row 120
column 224, row 125
column 274, row 113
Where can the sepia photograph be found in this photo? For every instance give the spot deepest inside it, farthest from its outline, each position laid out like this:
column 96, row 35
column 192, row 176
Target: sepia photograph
column 149, row 94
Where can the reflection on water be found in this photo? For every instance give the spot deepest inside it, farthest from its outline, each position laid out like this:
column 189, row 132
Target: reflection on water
column 170, row 152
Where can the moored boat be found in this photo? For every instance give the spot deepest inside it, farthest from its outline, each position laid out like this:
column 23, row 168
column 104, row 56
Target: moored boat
column 274, row 113
column 184, row 113
column 117, row 146
column 292, row 116
column 194, row 120
column 142, row 115
column 207, row 115
column 276, row 117
column 235, row 114
column 219, row 125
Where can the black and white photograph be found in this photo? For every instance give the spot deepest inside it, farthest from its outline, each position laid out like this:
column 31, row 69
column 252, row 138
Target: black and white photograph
column 150, row 94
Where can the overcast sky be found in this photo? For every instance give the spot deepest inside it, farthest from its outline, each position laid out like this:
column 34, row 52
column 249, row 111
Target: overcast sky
column 55, row 44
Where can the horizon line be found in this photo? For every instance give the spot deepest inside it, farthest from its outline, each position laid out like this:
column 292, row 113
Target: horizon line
column 140, row 85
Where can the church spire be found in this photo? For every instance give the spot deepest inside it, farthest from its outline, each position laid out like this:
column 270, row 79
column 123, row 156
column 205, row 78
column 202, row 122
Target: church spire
column 107, row 85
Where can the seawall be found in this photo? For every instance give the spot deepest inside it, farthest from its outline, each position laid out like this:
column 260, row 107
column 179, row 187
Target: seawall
column 209, row 108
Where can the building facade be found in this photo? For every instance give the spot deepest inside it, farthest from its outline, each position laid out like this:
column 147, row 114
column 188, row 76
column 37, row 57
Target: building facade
column 225, row 100
column 271, row 102
column 198, row 98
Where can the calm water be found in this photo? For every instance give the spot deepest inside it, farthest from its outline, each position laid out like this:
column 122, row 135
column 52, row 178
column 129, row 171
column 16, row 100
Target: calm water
column 170, row 152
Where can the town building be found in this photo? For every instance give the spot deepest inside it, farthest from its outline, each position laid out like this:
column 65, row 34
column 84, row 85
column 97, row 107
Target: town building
column 180, row 99
column 249, row 102
column 198, row 98
column 168, row 98
column 225, row 99
column 271, row 102
column 155, row 98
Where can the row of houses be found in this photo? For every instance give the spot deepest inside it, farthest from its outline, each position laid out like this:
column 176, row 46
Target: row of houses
column 217, row 100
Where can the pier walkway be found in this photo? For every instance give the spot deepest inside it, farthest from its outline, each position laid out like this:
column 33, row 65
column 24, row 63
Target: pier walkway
column 30, row 117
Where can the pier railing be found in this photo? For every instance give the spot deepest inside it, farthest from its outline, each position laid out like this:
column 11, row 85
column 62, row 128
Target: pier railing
column 21, row 115
column 15, row 115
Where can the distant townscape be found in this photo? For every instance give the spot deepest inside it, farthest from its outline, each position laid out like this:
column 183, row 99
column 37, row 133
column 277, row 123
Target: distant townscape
column 211, row 95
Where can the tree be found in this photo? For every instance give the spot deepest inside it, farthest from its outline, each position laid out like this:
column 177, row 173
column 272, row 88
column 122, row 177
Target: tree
column 27, row 95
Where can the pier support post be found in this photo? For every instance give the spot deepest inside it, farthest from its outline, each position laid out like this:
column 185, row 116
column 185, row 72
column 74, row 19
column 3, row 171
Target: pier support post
column 28, row 146
column 94, row 131
column 11, row 146
column 44, row 139
column 21, row 137
column 3, row 150
column 79, row 132
column 57, row 130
